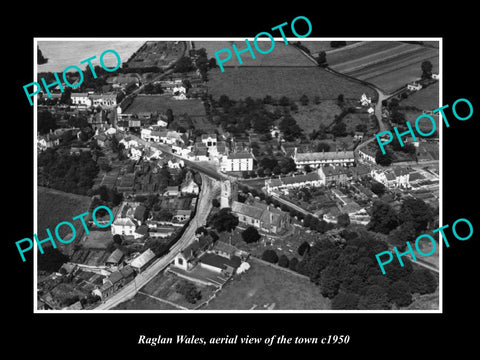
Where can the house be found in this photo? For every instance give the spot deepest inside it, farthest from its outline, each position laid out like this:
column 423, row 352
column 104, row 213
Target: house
column 189, row 186
column 210, row 140
column 115, row 258
column 81, row 99
column 141, row 262
column 114, row 282
column 182, row 215
column 435, row 76
column 365, row 101
column 335, row 174
column 104, row 100
column 317, row 159
column 240, row 161
column 101, row 139
column 218, row 263
column 314, row 178
column 399, row 177
column 175, row 163
column 47, row 141
column 358, row 136
column 186, row 259
column 123, row 226
column 415, row 86
column 261, row 216
column 172, row 191
column 161, row 231
column 367, row 154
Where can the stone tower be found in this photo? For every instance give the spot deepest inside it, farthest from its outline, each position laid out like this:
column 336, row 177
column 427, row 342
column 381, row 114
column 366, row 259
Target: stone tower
column 229, row 192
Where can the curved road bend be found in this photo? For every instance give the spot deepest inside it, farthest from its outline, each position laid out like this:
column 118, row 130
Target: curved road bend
column 204, row 204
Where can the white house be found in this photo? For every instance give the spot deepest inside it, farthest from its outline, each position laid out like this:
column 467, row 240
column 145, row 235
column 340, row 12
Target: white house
column 81, row 99
column 365, row 101
column 436, row 76
column 415, row 86
column 241, row 161
column 314, row 179
column 135, row 153
column 123, row 226
column 399, row 177
column 175, row 163
column 106, row 100
column 317, row 159
column 189, row 187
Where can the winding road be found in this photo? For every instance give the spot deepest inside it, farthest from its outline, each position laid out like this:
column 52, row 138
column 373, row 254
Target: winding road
column 209, row 189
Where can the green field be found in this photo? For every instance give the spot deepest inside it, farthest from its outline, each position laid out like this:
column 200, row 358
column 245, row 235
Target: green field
column 257, row 82
column 144, row 302
column 311, row 116
column 160, row 103
column 56, row 206
column 425, row 99
column 263, row 285
column 281, row 55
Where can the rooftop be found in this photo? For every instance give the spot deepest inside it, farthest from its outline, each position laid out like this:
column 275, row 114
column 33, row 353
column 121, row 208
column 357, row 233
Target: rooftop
column 220, row 262
column 319, row 156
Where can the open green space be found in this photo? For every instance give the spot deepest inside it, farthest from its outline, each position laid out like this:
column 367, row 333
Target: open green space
column 258, row 82
column 264, row 285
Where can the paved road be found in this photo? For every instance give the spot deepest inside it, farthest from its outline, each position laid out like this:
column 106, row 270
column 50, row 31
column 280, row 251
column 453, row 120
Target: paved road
column 209, row 189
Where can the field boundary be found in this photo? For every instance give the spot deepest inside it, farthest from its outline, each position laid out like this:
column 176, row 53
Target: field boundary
column 278, row 267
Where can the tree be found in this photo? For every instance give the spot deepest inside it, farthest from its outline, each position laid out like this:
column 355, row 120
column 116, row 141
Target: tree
column 284, row 101
column 117, row 239
column 378, row 188
column 40, row 58
column 183, row 65
column 345, row 301
column 289, row 128
column 375, row 298
column 270, row 256
column 399, row 293
column 283, row 261
column 322, row 58
column 293, row 264
column 343, row 220
column 250, row 235
column 307, row 168
column 304, row 100
column 224, row 220
column 417, row 212
column 403, row 233
column 340, row 99
column 361, row 128
column 426, row 69
column 45, row 121
column 383, row 218
column 383, row 160
column 215, row 203
column 189, row 290
column 51, row 259
column 303, row 248
column 398, row 117
column 339, row 129
column 169, row 115
column 422, row 281
column 323, row 146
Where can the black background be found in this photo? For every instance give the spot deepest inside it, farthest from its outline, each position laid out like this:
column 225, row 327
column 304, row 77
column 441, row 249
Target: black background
column 377, row 335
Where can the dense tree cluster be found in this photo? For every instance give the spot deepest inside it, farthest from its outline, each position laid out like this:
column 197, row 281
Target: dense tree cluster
column 352, row 279
column 189, row 290
column 289, row 127
column 70, row 173
column 250, row 235
column 51, row 259
column 224, row 220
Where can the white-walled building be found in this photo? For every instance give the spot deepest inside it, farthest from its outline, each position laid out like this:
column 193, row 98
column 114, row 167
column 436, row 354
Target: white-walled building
column 241, row 161
column 317, row 159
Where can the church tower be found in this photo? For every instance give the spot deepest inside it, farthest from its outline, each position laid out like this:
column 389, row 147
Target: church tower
column 229, row 192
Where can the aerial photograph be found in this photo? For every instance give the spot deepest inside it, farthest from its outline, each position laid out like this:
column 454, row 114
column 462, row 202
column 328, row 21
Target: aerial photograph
column 180, row 175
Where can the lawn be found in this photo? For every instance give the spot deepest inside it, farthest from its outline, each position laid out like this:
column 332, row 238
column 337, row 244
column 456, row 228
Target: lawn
column 281, row 55
column 263, row 285
column 160, row 103
column 257, row 82
column 347, row 54
column 55, row 206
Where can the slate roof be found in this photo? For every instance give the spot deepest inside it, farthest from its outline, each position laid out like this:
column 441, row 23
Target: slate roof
column 319, row 156
column 220, row 261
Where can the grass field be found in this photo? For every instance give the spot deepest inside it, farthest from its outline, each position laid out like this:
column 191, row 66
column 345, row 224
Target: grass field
column 56, row 206
column 386, row 64
column 425, row 99
column 310, row 117
column 160, row 103
column 256, row 82
column 144, row 302
column 263, row 285
column 281, row 55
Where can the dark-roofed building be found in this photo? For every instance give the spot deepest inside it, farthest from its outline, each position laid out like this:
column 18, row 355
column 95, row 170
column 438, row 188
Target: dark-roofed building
column 115, row 258
column 219, row 263
column 261, row 216
column 115, row 281
column 335, row 174
column 186, row 259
